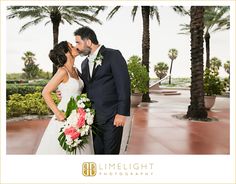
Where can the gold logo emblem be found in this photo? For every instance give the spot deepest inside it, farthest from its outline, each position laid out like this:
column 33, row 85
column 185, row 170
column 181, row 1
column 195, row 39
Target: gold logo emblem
column 89, row 169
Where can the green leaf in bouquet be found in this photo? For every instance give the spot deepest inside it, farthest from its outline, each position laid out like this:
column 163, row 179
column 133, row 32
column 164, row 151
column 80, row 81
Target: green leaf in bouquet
column 70, row 106
column 83, row 95
column 87, row 104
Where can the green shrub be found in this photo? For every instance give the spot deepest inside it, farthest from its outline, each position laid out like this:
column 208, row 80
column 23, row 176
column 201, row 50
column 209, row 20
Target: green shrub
column 17, row 81
column 14, row 76
column 30, row 104
column 16, row 105
column 22, row 89
column 138, row 75
column 213, row 85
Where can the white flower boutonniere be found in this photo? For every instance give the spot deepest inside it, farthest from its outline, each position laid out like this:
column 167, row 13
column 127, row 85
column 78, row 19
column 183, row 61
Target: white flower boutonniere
column 98, row 60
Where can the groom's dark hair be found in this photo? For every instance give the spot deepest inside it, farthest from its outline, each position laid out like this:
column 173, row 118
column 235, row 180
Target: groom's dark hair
column 86, row 33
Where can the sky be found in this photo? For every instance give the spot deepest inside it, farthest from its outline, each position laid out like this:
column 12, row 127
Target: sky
column 118, row 33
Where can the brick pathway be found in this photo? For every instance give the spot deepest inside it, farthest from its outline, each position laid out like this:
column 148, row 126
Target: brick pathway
column 155, row 130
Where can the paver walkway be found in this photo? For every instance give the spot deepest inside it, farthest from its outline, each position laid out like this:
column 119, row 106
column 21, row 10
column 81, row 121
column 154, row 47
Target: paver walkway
column 155, row 130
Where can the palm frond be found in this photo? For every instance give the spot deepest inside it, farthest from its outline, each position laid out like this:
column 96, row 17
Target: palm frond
column 98, row 9
column 78, row 23
column 34, row 22
column 47, row 22
column 25, row 11
column 185, row 29
column 181, row 10
column 154, row 12
column 134, row 11
column 89, row 18
column 112, row 12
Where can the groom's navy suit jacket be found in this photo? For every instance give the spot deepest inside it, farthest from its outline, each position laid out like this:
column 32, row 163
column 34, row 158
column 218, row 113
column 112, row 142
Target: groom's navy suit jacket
column 109, row 86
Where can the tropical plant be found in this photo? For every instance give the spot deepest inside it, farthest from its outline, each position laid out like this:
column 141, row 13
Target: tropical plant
column 227, row 67
column 147, row 13
column 29, row 104
column 227, row 79
column 138, row 75
column 173, row 53
column 212, row 83
column 196, row 109
column 56, row 15
column 31, row 69
column 216, row 18
column 161, row 69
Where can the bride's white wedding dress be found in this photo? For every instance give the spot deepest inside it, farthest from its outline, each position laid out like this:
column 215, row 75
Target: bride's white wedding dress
column 49, row 143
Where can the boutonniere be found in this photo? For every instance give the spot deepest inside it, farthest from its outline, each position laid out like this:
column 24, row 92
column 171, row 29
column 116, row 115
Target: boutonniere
column 98, row 60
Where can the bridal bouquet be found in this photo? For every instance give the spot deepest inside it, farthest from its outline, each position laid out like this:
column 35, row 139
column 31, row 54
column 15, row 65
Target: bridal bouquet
column 79, row 118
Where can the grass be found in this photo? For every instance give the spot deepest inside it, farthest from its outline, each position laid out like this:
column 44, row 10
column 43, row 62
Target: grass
column 175, row 82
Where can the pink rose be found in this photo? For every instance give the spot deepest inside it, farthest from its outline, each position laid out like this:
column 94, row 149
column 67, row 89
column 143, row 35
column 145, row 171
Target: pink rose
column 69, row 131
column 81, row 112
column 81, row 121
column 75, row 135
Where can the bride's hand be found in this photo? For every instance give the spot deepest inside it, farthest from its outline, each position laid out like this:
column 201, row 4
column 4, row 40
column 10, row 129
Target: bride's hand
column 60, row 116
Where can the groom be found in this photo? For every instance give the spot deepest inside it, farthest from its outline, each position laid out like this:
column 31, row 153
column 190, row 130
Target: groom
column 107, row 84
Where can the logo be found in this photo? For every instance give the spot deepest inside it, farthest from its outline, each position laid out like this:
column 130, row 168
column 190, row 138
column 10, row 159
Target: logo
column 89, row 169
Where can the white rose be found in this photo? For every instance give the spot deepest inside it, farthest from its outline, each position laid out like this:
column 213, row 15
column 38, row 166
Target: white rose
column 80, row 105
column 69, row 141
column 72, row 118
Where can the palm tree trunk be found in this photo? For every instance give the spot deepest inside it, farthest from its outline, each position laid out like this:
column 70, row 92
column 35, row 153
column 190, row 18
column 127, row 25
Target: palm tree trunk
column 196, row 109
column 146, row 46
column 56, row 19
column 55, row 28
column 207, row 42
column 170, row 71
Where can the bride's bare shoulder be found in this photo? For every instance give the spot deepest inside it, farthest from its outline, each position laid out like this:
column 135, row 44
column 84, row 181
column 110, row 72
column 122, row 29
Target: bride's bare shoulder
column 61, row 71
column 61, row 74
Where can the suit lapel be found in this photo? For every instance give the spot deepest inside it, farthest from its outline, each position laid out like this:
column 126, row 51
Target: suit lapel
column 95, row 68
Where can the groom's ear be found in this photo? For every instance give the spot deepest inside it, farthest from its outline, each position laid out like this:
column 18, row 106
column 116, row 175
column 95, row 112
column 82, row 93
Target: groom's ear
column 89, row 42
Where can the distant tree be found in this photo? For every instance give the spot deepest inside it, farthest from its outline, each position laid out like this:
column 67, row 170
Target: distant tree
column 135, row 58
column 173, row 53
column 44, row 75
column 227, row 79
column 215, row 64
column 227, row 67
column 31, row 69
column 161, row 70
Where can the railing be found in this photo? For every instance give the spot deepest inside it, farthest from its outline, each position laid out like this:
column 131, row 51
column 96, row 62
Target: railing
column 157, row 82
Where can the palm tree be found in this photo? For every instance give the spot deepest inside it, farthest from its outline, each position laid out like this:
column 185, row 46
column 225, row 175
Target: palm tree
column 147, row 13
column 161, row 70
column 216, row 18
column 31, row 69
column 28, row 58
column 56, row 15
column 173, row 53
column 196, row 109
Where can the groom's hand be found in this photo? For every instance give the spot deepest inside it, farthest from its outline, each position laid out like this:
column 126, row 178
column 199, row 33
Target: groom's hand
column 58, row 93
column 119, row 120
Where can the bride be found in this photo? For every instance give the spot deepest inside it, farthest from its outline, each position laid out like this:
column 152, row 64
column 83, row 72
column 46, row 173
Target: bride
column 68, row 82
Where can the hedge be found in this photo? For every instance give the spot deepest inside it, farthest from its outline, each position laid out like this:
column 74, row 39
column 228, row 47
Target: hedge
column 22, row 89
column 29, row 104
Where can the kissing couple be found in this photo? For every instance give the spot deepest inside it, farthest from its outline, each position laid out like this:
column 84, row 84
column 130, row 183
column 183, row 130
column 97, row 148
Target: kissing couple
column 104, row 77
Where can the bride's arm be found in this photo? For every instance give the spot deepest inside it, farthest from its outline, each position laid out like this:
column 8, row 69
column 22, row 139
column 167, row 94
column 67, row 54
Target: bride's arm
column 52, row 85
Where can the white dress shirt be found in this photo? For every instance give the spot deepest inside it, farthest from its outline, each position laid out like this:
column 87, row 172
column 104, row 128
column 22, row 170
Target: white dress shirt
column 91, row 59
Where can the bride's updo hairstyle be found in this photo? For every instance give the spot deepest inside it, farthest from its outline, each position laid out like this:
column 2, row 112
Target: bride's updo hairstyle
column 58, row 54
